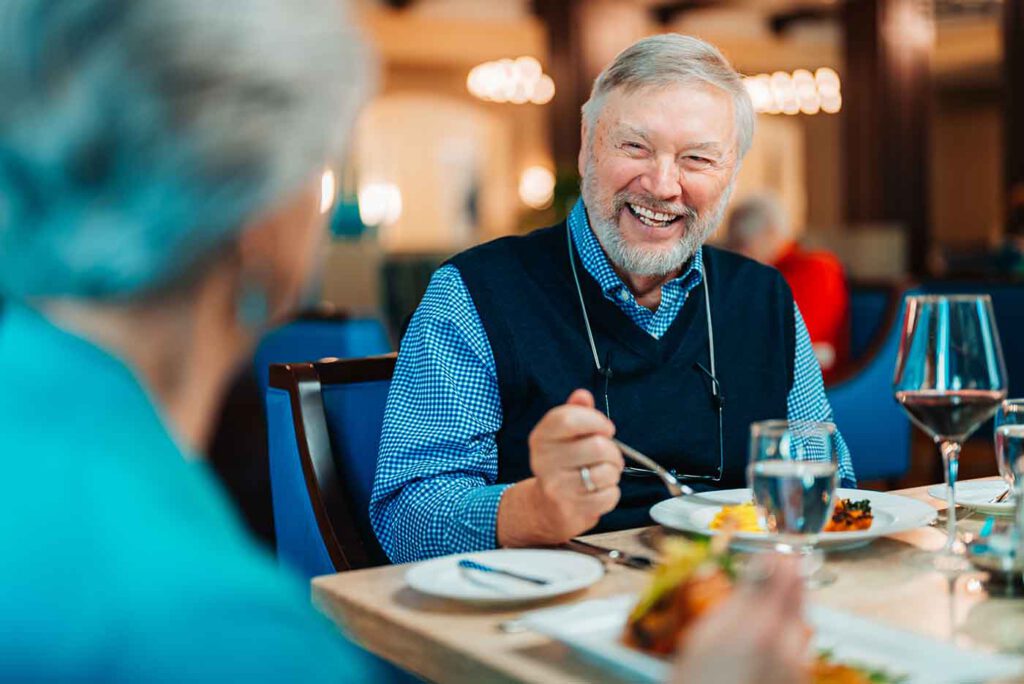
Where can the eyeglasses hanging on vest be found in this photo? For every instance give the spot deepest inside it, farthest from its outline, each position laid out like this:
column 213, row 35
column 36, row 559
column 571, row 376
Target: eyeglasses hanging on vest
column 605, row 371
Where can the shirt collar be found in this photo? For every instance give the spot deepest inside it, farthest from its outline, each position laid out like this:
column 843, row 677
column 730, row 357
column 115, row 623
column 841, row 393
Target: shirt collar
column 596, row 262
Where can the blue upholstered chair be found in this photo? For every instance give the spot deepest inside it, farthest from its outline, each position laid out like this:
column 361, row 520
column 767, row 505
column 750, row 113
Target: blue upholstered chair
column 320, row 334
column 1008, row 304
column 871, row 306
column 875, row 427
column 324, row 422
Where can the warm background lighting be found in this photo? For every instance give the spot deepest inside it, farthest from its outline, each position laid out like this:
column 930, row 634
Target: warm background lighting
column 328, row 191
column 517, row 81
column 380, row 204
column 800, row 92
column 537, row 187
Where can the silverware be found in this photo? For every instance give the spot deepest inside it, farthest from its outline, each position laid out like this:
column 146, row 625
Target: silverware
column 467, row 564
column 673, row 485
column 513, row 626
column 1002, row 497
column 621, row 557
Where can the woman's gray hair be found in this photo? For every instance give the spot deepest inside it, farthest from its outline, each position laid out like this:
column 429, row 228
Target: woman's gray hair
column 139, row 136
column 672, row 59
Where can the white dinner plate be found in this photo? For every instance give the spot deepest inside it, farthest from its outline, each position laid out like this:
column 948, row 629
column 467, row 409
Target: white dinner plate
column 977, row 495
column 566, row 572
column 594, row 629
column 892, row 513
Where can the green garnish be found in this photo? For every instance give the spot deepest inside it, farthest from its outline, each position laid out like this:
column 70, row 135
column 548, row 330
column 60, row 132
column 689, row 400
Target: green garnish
column 875, row 675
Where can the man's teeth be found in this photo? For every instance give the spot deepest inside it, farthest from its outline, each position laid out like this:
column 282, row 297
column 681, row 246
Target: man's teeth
column 653, row 217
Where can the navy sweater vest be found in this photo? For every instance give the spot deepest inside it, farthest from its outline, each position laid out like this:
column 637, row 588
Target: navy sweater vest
column 660, row 401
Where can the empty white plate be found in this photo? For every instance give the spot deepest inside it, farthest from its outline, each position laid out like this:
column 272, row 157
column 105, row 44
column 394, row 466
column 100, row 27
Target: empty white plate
column 565, row 571
column 977, row 495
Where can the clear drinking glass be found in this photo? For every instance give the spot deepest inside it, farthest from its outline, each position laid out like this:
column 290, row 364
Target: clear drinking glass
column 793, row 472
column 1010, row 459
column 1009, row 426
column 950, row 378
column 1013, row 452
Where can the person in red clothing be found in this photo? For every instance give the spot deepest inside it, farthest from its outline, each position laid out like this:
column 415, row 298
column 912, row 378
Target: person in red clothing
column 760, row 229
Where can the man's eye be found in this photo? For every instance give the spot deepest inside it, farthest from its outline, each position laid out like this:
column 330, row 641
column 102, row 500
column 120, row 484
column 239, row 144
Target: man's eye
column 634, row 147
column 699, row 161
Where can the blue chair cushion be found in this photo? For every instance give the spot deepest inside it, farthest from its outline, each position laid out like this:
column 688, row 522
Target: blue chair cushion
column 355, row 416
column 299, row 544
column 312, row 340
column 873, row 424
column 868, row 306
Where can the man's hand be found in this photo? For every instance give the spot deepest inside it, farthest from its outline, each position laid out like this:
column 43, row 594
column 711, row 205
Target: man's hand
column 555, row 505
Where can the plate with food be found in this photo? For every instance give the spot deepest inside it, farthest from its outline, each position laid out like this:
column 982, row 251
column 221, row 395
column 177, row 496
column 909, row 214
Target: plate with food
column 637, row 636
column 981, row 495
column 859, row 516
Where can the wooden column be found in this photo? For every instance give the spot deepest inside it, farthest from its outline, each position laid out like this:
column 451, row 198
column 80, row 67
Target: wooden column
column 1013, row 88
column 565, row 48
column 886, row 90
column 584, row 36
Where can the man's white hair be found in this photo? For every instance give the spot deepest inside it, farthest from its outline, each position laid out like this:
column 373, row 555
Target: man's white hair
column 673, row 59
column 137, row 136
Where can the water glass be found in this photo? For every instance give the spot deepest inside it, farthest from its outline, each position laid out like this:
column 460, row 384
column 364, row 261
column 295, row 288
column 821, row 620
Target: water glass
column 793, row 473
column 1010, row 452
column 1009, row 426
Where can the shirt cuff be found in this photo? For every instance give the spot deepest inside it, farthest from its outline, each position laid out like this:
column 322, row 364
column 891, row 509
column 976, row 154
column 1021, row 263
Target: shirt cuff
column 475, row 519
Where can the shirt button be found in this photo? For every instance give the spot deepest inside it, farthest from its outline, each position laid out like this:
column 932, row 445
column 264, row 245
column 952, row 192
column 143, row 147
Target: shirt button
column 624, row 295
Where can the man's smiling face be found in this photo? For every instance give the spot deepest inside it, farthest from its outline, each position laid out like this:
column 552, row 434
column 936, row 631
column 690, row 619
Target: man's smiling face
column 658, row 169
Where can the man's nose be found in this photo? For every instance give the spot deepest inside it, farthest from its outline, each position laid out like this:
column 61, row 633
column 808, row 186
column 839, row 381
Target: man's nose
column 662, row 181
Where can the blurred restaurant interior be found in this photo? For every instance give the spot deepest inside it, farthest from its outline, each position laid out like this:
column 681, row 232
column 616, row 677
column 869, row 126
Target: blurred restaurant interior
column 270, row 371
column 889, row 130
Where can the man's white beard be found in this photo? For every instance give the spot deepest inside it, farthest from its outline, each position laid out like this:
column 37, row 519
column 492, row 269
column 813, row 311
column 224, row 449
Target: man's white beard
column 636, row 259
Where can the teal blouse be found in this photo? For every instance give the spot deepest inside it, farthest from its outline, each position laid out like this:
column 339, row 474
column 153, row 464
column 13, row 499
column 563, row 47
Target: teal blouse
column 121, row 558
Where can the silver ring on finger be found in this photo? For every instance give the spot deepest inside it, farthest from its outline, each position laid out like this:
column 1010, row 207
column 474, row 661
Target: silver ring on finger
column 588, row 482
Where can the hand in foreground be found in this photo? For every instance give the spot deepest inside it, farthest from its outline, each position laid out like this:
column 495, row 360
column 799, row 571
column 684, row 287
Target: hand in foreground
column 576, row 470
column 757, row 635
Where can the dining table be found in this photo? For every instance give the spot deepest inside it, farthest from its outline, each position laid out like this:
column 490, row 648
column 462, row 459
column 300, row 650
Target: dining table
column 441, row 640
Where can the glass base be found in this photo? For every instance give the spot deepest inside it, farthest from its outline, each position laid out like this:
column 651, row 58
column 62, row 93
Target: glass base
column 814, row 572
column 944, row 562
column 812, row 565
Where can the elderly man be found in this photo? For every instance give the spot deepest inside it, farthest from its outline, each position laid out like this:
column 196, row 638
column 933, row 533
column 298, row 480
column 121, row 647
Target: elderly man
column 760, row 228
column 528, row 354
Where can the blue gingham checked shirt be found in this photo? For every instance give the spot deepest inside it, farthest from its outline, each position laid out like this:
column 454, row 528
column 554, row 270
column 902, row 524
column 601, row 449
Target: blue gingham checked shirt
column 435, row 491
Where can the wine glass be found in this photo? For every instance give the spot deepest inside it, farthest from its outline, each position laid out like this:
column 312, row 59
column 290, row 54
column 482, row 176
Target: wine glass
column 949, row 378
column 792, row 474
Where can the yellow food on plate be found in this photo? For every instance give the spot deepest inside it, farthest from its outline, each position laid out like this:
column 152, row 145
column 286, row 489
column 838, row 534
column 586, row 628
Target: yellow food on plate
column 739, row 518
column 848, row 516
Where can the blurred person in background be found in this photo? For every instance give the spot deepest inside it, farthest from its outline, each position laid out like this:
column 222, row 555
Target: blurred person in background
column 527, row 354
column 160, row 171
column 760, row 228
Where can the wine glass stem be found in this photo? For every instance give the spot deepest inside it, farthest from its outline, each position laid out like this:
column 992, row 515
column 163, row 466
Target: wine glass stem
column 950, row 462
